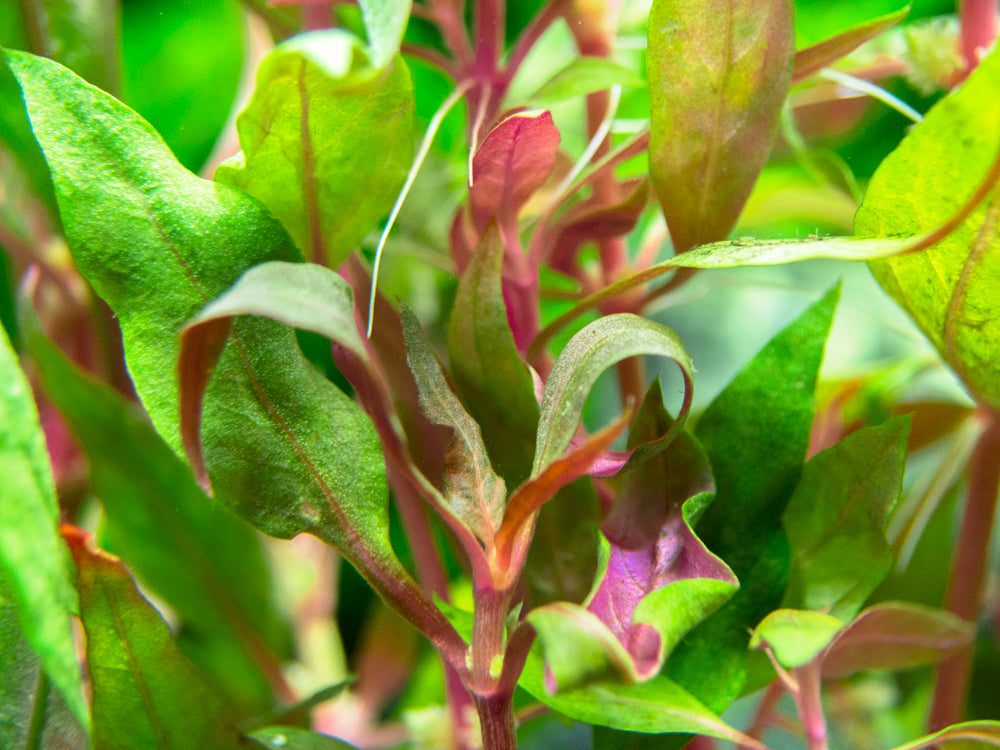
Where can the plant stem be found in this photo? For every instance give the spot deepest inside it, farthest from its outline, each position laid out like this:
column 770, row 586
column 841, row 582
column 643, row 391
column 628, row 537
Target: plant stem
column 496, row 720
column 968, row 569
column 980, row 23
column 810, row 704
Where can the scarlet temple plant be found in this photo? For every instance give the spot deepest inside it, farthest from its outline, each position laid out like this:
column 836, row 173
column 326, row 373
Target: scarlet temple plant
column 637, row 570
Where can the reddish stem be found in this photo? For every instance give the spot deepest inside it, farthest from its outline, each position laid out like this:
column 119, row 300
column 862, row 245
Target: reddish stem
column 966, row 583
column 496, row 719
column 808, row 699
column 980, row 24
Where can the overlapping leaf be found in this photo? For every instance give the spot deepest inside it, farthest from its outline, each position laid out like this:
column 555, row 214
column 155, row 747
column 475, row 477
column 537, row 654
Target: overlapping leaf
column 657, row 579
column 951, row 291
column 718, row 76
column 161, row 522
column 489, row 373
column 145, row 692
column 835, row 520
column 756, row 433
column 33, row 559
column 327, row 140
column 796, row 636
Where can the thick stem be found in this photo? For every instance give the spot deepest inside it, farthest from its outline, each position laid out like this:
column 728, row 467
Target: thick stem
column 487, row 638
column 980, row 23
column 968, row 569
column 496, row 720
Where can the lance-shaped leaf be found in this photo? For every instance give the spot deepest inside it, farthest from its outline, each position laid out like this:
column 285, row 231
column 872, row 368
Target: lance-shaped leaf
column 474, row 492
column 756, row 433
column 170, row 533
column 653, row 707
column 514, row 161
column 795, row 636
column 811, row 60
column 154, row 241
column 979, row 732
column 294, row 738
column 718, row 76
column 145, row 692
column 488, row 370
column 896, row 635
column 835, row 521
column 951, row 291
column 328, row 459
column 33, row 559
column 652, row 592
column 33, row 712
column 327, row 140
column 589, row 353
column 15, row 133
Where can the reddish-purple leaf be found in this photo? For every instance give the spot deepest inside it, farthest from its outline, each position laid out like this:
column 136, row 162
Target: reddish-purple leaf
column 895, row 635
column 718, row 76
column 514, row 161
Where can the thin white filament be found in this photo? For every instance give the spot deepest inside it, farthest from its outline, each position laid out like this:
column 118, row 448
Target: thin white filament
column 595, row 143
column 425, row 146
column 476, row 125
column 862, row 86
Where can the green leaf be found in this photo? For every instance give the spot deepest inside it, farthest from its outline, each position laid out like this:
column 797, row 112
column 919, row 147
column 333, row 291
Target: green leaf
column 489, row 373
column 327, row 141
column 33, row 558
column 183, row 62
column 385, row 24
column 146, row 233
column 145, row 692
column 473, row 491
column 835, row 520
column 753, row 252
column 589, row 353
column 15, row 133
column 979, row 732
column 652, row 707
column 169, row 532
column 585, row 75
column 896, row 635
column 795, row 636
column 292, row 738
column 718, row 76
column 30, row 705
column 952, row 290
column 756, row 433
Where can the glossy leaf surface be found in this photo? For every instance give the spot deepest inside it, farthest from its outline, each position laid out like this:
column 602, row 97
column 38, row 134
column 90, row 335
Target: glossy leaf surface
column 951, row 291
column 489, row 373
column 158, row 519
column 33, row 559
column 835, row 520
column 718, row 76
column 145, row 692
column 756, row 433
column 795, row 636
column 896, row 635
column 591, row 351
column 753, row 252
column 327, row 140
column 293, row 738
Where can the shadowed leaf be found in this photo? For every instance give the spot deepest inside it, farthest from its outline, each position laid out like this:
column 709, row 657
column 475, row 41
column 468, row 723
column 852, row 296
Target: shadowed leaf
column 33, row 559
column 835, row 520
column 145, row 692
column 811, row 60
column 585, row 75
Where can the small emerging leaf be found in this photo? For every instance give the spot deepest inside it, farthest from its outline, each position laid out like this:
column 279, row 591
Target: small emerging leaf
column 585, row 75
column 795, row 636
